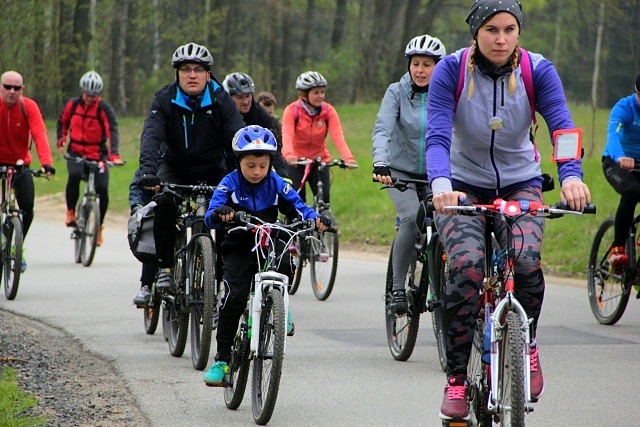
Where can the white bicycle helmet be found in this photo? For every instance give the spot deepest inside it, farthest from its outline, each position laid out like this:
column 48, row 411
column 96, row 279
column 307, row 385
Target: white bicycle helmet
column 427, row 46
column 254, row 139
column 238, row 83
column 91, row 83
column 309, row 80
column 192, row 52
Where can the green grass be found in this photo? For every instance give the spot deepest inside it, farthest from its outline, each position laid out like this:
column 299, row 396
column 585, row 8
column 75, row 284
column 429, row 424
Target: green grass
column 15, row 403
column 366, row 214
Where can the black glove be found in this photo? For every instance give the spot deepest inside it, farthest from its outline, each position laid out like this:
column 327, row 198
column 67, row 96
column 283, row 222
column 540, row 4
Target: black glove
column 49, row 169
column 381, row 168
column 326, row 221
column 220, row 211
column 149, row 180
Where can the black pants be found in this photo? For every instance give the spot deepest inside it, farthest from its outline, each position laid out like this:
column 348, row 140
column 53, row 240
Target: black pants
column 628, row 186
column 297, row 171
column 239, row 265
column 25, row 195
column 78, row 172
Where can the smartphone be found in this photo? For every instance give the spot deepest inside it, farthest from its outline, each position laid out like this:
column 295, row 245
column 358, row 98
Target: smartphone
column 567, row 145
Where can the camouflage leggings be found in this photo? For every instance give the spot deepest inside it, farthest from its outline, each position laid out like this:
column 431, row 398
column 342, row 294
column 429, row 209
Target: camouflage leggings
column 464, row 241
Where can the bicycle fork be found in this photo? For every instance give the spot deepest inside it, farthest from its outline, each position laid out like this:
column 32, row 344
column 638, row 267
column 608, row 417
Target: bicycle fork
column 508, row 303
column 263, row 283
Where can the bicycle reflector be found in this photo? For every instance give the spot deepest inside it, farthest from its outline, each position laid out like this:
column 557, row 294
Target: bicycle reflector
column 567, row 145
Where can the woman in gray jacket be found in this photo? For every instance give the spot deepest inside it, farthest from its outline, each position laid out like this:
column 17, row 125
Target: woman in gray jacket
column 399, row 150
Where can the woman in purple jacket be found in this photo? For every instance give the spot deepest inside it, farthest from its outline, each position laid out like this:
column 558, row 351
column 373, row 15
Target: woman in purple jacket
column 479, row 146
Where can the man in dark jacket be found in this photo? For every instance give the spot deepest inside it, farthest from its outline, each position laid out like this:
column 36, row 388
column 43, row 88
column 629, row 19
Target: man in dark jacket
column 186, row 139
column 241, row 88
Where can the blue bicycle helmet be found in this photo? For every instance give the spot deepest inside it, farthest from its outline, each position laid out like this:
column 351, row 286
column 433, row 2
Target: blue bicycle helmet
column 254, row 139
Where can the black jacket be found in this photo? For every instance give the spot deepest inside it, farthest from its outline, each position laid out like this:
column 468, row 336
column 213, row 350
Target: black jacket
column 188, row 136
column 261, row 117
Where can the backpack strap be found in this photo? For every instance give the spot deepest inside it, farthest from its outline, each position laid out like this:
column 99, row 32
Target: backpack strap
column 74, row 106
column 526, row 69
column 463, row 66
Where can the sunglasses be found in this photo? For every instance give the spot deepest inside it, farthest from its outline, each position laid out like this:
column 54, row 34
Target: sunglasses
column 9, row 87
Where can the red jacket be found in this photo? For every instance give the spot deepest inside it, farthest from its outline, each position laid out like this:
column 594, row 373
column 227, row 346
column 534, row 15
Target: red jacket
column 89, row 129
column 307, row 136
column 17, row 125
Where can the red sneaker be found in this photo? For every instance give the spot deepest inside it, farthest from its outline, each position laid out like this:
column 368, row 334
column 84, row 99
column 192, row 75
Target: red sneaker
column 70, row 221
column 537, row 382
column 454, row 405
column 618, row 259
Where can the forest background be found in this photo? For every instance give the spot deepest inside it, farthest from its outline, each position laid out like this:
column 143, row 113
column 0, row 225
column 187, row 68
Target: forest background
column 357, row 44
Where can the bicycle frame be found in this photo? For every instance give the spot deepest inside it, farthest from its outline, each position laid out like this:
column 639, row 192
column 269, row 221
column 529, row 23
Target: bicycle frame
column 498, row 290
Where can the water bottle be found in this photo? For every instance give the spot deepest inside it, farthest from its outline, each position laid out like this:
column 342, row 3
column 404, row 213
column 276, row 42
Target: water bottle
column 486, row 347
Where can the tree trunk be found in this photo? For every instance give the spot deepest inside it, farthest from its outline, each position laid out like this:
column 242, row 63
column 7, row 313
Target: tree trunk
column 76, row 62
column 308, row 29
column 286, row 58
column 117, row 92
column 596, row 75
column 338, row 23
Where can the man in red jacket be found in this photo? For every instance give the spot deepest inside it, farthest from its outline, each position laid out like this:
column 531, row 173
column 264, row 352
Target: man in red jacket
column 20, row 122
column 88, row 121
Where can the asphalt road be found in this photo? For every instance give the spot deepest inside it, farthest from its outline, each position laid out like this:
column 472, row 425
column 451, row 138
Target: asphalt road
column 337, row 370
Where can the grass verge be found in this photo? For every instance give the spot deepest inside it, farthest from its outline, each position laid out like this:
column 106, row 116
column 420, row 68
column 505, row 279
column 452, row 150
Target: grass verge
column 15, row 403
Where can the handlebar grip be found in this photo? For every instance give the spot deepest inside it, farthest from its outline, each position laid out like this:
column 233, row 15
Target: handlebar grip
column 589, row 209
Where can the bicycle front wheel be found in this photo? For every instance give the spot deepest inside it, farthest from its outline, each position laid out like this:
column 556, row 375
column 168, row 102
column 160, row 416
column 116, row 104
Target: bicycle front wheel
column 176, row 315
column 11, row 256
column 608, row 290
column 511, row 376
column 323, row 261
column 238, row 367
column 88, row 228
column 203, row 300
column 439, row 276
column 402, row 331
column 267, row 364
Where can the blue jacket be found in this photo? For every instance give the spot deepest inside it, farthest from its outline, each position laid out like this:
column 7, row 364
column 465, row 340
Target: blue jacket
column 623, row 131
column 461, row 147
column 264, row 200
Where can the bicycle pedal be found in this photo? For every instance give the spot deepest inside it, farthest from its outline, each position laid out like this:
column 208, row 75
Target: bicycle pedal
column 530, row 408
column 222, row 384
column 453, row 423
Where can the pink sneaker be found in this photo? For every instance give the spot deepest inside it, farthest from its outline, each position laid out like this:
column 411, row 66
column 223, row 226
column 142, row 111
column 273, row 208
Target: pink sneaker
column 537, row 382
column 454, row 404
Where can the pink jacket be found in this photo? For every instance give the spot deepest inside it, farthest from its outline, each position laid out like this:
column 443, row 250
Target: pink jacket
column 306, row 136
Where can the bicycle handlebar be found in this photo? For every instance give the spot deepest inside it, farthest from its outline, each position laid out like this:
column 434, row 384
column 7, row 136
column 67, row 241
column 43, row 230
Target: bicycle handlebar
column 303, row 161
column 249, row 222
column 513, row 208
column 92, row 163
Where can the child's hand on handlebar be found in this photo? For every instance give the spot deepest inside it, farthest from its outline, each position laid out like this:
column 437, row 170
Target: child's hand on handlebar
column 323, row 223
column 225, row 213
column 448, row 198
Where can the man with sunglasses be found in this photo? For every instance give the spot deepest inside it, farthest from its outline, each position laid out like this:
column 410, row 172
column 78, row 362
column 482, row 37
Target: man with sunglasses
column 21, row 122
column 186, row 139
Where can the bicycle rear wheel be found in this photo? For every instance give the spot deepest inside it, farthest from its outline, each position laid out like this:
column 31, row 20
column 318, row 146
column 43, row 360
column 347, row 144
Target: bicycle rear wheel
column 176, row 315
column 267, row 364
column 203, row 300
column 88, row 227
column 402, row 331
column 11, row 256
column 323, row 261
column 478, row 381
column 511, row 379
column 300, row 260
column 608, row 290
column 439, row 271
column 151, row 313
column 238, row 367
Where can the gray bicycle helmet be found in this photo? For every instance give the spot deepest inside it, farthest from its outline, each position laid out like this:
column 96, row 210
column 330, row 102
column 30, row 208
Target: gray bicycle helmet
column 238, row 83
column 91, row 83
column 427, row 46
column 309, row 80
column 192, row 52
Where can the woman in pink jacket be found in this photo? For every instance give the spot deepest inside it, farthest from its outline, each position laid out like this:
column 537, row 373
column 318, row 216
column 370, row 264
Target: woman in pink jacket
column 305, row 126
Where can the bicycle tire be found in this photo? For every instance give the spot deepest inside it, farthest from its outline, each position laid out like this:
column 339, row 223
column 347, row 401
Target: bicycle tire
column 267, row 363
column 89, row 232
column 300, row 261
column 511, row 379
column 12, row 256
column 439, row 276
column 323, row 261
column 203, row 295
column 77, row 233
column 608, row 292
column 151, row 313
column 478, row 381
column 177, row 315
column 238, row 367
column 402, row 331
